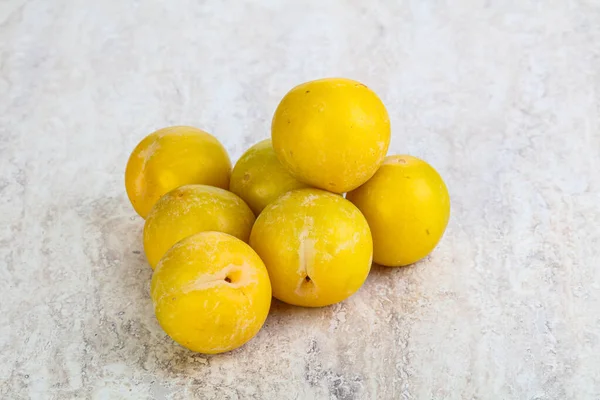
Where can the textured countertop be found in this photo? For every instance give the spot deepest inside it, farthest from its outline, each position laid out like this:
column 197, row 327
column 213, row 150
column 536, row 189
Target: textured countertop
column 501, row 97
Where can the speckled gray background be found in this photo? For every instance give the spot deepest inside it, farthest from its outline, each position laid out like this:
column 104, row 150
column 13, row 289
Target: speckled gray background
column 502, row 97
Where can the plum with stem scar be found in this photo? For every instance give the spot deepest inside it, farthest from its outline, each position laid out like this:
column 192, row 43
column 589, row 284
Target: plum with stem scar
column 316, row 246
column 211, row 292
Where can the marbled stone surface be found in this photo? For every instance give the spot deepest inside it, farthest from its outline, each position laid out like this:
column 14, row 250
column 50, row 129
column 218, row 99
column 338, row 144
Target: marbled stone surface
column 502, row 97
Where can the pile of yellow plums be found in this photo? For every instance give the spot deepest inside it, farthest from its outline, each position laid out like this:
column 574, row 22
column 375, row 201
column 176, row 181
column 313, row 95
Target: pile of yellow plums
column 222, row 242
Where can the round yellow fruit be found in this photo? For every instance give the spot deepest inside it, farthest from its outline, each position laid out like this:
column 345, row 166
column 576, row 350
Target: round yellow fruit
column 331, row 133
column 191, row 209
column 407, row 206
column 259, row 178
column 316, row 245
column 211, row 292
column 172, row 157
